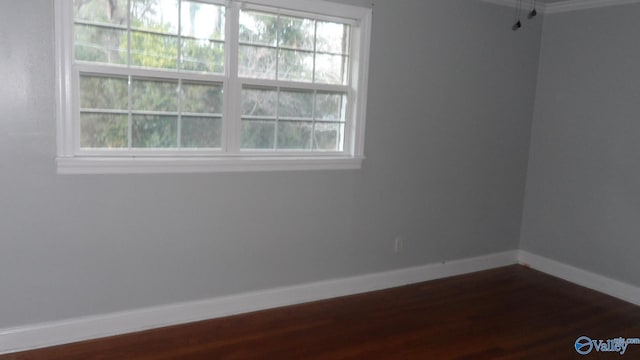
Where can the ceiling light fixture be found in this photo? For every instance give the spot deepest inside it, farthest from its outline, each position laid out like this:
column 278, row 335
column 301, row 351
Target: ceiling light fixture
column 533, row 11
column 518, row 24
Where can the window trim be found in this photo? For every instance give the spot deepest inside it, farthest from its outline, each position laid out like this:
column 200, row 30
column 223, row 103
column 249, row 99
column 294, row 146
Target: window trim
column 70, row 160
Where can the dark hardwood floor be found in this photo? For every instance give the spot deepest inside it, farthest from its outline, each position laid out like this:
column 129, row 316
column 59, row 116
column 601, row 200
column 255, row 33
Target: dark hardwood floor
column 506, row 313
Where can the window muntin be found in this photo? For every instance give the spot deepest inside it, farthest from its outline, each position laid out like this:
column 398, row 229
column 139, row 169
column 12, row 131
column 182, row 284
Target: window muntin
column 122, row 111
column 132, row 112
column 282, row 50
column 160, row 34
column 292, row 119
column 186, row 94
column 279, row 47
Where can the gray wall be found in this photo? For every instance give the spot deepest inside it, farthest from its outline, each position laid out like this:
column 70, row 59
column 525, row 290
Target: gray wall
column 447, row 139
column 582, row 200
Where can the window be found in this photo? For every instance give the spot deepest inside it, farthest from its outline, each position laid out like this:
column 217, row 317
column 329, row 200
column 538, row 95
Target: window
column 210, row 85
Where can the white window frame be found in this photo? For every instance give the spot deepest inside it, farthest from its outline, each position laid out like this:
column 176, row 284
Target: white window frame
column 72, row 160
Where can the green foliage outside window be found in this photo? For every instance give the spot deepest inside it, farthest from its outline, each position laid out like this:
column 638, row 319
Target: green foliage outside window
column 121, row 111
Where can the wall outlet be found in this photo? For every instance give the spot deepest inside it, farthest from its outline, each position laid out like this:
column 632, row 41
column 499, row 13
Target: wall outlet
column 398, row 245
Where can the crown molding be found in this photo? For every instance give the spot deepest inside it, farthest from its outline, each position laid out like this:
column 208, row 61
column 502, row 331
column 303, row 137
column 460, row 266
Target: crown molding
column 564, row 6
column 540, row 7
column 574, row 5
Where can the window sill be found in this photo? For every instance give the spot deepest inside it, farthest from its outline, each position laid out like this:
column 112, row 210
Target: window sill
column 172, row 165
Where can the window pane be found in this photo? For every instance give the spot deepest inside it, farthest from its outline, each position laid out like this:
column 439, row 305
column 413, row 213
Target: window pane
column 152, row 131
column 99, row 44
column 201, row 132
column 169, row 109
column 295, row 65
column 331, row 106
column 332, row 37
column 258, row 28
column 259, row 102
column 201, row 98
column 152, row 95
column 257, row 62
column 258, row 134
column 101, row 11
column 202, row 56
column 97, row 92
column 202, row 21
column 157, row 15
column 154, row 51
column 296, row 104
column 294, row 135
column 331, row 69
column 296, row 33
column 327, row 137
column 103, row 130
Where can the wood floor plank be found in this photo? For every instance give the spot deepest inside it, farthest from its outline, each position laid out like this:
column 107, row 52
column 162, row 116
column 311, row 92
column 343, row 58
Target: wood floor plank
column 507, row 313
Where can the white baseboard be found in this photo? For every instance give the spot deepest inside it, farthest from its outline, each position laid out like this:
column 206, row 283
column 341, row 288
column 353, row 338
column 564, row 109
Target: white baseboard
column 581, row 277
column 78, row 329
